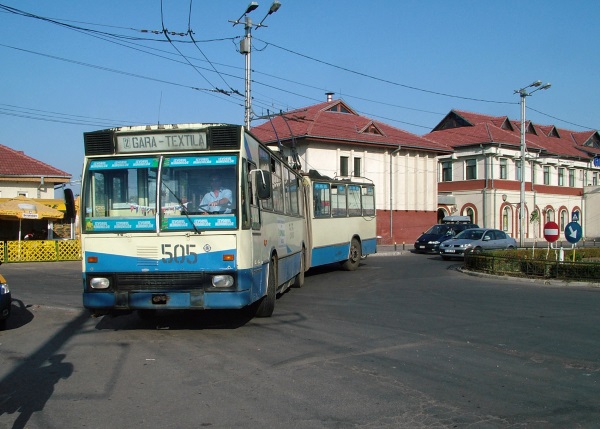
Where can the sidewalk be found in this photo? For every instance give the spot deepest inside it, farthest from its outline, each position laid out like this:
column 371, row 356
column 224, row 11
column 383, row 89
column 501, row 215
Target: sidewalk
column 393, row 250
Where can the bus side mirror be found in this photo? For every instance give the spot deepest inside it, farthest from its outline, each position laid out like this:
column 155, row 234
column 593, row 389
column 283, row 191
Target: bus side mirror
column 70, row 205
column 263, row 184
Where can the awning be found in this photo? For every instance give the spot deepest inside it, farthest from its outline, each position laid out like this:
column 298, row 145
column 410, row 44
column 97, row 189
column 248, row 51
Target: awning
column 52, row 203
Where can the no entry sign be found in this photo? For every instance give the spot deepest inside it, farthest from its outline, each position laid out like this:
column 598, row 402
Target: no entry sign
column 551, row 232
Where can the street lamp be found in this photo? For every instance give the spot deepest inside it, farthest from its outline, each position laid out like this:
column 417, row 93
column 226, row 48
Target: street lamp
column 523, row 93
column 246, row 49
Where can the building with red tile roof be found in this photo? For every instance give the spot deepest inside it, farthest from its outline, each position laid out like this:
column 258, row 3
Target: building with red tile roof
column 482, row 178
column 333, row 139
column 22, row 175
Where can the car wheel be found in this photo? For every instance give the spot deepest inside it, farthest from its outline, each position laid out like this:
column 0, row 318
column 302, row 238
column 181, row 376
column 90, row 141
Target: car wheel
column 477, row 250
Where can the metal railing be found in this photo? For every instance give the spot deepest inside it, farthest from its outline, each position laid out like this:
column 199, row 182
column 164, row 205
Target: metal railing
column 40, row 250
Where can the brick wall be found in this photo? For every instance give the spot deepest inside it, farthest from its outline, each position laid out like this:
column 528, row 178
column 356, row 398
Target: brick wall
column 407, row 225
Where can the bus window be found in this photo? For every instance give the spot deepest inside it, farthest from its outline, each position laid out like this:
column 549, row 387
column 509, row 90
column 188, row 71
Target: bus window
column 264, row 163
column 321, row 200
column 278, row 201
column 338, row 201
column 354, row 205
column 368, row 200
column 119, row 193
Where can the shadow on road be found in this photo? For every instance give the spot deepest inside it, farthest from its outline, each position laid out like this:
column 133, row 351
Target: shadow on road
column 177, row 320
column 19, row 315
column 28, row 387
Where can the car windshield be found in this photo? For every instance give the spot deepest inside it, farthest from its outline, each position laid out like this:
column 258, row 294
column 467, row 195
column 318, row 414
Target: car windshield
column 470, row 234
column 438, row 230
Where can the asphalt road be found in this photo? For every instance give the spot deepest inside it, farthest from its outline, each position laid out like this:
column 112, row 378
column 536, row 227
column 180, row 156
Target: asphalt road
column 405, row 341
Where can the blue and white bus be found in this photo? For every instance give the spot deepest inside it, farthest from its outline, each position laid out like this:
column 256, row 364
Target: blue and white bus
column 204, row 216
column 148, row 243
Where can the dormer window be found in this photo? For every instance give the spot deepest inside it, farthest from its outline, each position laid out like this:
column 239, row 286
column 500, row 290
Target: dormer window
column 554, row 133
column 506, row 125
column 340, row 108
column 371, row 128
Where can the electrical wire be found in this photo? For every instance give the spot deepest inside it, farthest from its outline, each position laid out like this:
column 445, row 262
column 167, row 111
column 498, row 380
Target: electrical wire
column 166, row 34
column 129, row 40
column 209, row 91
column 191, row 35
column 381, row 79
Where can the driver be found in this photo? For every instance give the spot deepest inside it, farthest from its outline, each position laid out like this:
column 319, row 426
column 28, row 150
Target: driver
column 217, row 197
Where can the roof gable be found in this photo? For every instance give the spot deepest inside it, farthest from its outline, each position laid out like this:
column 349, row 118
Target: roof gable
column 372, row 128
column 340, row 107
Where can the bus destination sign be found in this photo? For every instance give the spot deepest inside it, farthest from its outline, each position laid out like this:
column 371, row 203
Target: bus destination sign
column 168, row 142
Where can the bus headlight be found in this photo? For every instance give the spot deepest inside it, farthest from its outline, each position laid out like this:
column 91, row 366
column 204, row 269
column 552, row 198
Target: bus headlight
column 99, row 283
column 222, row 280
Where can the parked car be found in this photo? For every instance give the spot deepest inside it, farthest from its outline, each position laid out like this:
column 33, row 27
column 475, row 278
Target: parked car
column 429, row 241
column 476, row 240
column 5, row 302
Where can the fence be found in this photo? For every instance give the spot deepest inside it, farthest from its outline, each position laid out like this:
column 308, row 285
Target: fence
column 40, row 250
column 536, row 268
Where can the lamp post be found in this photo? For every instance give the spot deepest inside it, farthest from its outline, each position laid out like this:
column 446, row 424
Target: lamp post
column 246, row 49
column 523, row 93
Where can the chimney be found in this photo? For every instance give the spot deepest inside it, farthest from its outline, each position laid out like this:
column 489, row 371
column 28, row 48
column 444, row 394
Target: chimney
column 329, row 96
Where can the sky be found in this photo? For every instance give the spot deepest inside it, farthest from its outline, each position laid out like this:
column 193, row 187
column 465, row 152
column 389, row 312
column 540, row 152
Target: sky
column 70, row 67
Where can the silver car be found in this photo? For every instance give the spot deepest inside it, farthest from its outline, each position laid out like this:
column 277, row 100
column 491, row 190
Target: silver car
column 476, row 240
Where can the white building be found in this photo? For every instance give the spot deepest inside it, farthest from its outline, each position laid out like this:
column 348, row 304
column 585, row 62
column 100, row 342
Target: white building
column 336, row 141
column 482, row 178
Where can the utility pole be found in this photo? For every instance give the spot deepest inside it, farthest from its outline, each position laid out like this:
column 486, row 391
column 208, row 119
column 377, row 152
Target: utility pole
column 522, row 212
column 246, row 49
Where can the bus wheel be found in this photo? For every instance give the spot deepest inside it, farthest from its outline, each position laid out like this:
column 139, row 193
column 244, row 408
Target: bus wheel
column 299, row 280
column 267, row 304
column 353, row 260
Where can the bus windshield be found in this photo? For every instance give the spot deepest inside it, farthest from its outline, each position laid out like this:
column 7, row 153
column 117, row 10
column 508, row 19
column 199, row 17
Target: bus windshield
column 194, row 193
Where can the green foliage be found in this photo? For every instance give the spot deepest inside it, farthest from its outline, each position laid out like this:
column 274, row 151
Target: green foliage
column 521, row 262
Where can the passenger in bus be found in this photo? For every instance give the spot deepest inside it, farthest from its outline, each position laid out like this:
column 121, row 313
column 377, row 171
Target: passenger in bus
column 218, row 200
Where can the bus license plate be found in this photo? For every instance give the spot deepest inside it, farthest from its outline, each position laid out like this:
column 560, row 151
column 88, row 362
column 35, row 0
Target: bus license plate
column 159, row 299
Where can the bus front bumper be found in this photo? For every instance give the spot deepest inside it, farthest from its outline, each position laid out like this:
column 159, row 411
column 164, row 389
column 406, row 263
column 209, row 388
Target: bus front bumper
column 156, row 300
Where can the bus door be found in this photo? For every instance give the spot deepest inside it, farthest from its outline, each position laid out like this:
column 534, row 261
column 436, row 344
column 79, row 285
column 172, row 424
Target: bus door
column 259, row 250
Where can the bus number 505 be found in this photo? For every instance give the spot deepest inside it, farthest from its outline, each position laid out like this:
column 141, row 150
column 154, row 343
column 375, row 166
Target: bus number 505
column 179, row 254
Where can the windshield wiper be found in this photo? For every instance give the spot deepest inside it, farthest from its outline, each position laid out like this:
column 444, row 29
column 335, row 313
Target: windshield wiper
column 183, row 207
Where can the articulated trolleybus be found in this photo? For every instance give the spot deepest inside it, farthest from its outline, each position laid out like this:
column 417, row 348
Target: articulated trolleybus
column 190, row 216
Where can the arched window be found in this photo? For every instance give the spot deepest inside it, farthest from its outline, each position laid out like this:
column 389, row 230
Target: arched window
column 564, row 216
column 471, row 214
column 549, row 215
column 505, row 218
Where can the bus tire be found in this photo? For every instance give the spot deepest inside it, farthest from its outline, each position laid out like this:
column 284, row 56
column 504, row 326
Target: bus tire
column 353, row 260
column 267, row 303
column 299, row 280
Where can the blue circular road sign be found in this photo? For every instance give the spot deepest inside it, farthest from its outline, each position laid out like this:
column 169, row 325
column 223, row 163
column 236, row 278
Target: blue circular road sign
column 573, row 232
